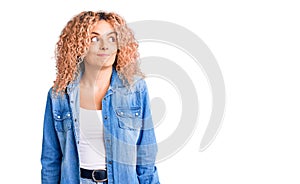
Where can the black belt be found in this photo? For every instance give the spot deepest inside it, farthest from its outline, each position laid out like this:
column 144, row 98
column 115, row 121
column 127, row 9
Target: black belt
column 98, row 175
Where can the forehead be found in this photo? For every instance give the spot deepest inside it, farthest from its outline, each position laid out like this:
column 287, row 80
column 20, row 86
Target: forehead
column 102, row 27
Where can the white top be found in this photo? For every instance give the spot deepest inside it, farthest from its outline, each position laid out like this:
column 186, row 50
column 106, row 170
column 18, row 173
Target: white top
column 91, row 145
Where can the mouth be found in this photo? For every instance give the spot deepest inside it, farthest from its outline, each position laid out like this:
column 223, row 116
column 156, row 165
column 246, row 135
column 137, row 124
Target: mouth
column 102, row 55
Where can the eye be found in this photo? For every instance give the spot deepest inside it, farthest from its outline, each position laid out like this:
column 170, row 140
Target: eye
column 95, row 39
column 112, row 39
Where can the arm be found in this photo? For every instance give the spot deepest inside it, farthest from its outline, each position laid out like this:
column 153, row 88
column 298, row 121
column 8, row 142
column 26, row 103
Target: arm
column 146, row 145
column 51, row 153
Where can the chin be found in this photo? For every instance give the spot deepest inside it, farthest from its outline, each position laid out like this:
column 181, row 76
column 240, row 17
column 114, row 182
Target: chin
column 105, row 65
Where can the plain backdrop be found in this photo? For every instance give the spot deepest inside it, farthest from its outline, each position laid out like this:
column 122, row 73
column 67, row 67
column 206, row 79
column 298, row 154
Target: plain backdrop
column 256, row 44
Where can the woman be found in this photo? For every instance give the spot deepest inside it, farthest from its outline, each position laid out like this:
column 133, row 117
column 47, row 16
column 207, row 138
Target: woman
column 97, row 125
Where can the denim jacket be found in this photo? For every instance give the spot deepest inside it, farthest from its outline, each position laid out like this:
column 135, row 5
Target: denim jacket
column 129, row 138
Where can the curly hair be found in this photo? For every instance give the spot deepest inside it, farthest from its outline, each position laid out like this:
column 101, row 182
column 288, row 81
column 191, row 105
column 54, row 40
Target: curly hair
column 74, row 42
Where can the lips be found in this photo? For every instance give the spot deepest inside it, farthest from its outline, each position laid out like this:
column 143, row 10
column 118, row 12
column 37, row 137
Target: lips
column 103, row 55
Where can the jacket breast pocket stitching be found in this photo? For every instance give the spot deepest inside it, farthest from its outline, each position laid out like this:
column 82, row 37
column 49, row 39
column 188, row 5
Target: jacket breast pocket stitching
column 129, row 118
column 62, row 121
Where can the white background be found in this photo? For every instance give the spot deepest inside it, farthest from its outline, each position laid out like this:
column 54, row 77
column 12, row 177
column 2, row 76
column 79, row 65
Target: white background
column 256, row 44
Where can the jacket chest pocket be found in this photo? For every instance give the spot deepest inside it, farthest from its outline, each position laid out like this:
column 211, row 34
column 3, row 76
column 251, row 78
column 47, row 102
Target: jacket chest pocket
column 129, row 118
column 62, row 121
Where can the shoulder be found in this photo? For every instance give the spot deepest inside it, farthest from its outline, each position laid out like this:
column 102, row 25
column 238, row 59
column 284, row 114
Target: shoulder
column 59, row 102
column 139, row 84
column 55, row 96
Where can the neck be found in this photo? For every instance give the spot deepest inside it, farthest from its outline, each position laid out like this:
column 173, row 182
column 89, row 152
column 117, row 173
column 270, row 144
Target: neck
column 96, row 77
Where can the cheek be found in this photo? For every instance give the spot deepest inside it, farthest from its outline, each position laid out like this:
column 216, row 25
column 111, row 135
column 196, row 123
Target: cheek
column 91, row 51
column 93, row 48
column 112, row 47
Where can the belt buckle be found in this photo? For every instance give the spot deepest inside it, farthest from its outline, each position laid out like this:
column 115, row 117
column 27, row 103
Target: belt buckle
column 93, row 176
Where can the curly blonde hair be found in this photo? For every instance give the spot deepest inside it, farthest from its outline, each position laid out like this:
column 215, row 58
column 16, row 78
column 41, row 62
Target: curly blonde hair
column 75, row 40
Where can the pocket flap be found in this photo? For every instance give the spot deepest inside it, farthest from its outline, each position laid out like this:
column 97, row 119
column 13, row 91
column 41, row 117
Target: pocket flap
column 58, row 116
column 129, row 118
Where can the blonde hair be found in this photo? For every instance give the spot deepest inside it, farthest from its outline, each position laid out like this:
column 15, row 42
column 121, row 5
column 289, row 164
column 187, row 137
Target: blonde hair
column 74, row 42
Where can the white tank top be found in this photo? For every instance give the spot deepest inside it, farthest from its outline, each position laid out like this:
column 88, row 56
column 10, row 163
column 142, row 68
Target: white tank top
column 91, row 145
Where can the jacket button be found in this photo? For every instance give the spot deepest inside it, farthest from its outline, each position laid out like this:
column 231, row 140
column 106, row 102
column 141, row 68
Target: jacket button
column 72, row 101
column 105, row 117
column 75, row 120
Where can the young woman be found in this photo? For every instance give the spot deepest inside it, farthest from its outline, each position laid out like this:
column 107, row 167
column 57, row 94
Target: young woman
column 97, row 125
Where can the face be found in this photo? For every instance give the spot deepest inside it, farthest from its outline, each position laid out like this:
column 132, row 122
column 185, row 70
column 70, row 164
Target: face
column 103, row 48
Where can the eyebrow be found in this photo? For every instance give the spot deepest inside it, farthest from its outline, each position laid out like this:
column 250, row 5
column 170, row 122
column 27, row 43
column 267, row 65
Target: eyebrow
column 113, row 32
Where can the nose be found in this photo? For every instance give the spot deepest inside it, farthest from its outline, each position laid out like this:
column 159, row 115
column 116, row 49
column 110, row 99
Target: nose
column 103, row 45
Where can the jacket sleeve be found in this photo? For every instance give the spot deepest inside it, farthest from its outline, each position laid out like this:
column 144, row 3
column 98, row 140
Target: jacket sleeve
column 51, row 152
column 146, row 145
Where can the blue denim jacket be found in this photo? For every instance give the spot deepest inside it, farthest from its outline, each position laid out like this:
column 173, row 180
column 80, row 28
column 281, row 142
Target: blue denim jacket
column 129, row 137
